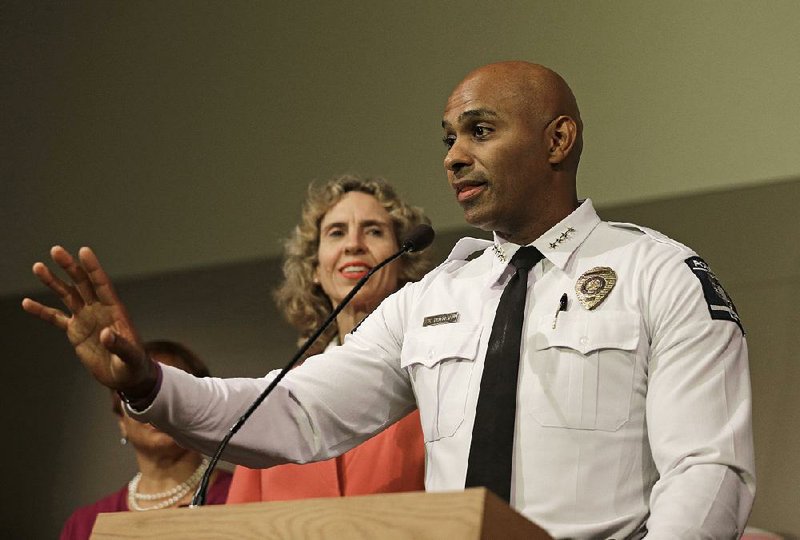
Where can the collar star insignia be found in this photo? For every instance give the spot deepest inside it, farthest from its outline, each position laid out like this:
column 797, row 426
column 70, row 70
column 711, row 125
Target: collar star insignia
column 563, row 237
column 500, row 253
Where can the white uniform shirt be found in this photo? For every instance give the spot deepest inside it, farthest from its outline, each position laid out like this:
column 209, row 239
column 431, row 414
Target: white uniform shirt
column 632, row 415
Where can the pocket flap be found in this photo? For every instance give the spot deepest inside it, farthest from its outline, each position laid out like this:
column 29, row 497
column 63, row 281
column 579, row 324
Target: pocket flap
column 587, row 331
column 429, row 346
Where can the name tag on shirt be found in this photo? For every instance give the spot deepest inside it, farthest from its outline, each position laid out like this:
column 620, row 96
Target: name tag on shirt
column 443, row 318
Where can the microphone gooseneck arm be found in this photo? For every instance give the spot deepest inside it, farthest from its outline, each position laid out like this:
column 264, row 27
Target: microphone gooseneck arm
column 418, row 239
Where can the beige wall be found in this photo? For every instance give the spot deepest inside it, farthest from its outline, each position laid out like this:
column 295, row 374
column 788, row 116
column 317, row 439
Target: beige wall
column 200, row 124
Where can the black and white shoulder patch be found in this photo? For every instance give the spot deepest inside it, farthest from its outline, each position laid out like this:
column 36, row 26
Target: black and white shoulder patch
column 720, row 305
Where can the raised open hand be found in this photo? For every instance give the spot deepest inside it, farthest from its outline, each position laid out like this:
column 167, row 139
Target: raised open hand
column 97, row 325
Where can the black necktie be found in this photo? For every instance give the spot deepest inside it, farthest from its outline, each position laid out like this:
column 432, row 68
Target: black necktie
column 490, row 455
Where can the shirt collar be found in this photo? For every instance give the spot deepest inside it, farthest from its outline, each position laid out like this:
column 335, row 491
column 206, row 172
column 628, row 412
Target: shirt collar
column 467, row 246
column 557, row 244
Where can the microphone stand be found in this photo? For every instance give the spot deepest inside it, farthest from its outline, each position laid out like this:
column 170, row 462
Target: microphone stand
column 199, row 498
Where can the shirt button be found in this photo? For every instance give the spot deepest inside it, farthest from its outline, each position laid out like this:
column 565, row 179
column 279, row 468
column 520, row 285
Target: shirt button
column 584, row 340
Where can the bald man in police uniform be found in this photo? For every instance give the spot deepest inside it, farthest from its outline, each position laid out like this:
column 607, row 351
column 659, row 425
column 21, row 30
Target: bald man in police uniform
column 633, row 403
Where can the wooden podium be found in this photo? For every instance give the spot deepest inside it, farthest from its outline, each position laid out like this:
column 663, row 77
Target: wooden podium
column 465, row 515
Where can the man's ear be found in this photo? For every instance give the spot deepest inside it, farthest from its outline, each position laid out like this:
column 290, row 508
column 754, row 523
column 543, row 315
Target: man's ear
column 561, row 136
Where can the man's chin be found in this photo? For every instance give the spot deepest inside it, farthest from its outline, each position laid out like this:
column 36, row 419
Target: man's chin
column 478, row 219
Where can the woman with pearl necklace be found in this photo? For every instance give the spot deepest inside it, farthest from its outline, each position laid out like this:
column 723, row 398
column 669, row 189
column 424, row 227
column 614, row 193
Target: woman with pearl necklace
column 168, row 474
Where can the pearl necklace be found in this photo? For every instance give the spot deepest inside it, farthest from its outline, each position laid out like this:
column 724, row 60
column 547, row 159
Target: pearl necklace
column 171, row 496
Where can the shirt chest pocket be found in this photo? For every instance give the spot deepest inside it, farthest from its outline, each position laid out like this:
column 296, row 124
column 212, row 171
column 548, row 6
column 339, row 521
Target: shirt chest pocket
column 440, row 360
column 583, row 370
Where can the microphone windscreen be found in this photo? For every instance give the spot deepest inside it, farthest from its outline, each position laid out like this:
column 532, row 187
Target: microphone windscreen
column 418, row 238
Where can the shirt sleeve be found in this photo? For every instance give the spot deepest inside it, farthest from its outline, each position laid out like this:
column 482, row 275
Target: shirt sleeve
column 698, row 410
column 331, row 403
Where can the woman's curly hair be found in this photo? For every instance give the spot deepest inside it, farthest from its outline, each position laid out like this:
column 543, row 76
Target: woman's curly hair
column 305, row 305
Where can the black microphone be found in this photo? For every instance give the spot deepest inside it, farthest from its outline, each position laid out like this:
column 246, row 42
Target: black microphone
column 417, row 239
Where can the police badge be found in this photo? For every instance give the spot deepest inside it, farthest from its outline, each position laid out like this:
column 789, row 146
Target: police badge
column 594, row 285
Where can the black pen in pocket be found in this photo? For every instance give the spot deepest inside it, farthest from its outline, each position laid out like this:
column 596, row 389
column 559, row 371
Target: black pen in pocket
column 562, row 306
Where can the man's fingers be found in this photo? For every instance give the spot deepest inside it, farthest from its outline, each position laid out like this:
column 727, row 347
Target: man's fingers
column 69, row 296
column 75, row 272
column 129, row 352
column 101, row 284
column 53, row 316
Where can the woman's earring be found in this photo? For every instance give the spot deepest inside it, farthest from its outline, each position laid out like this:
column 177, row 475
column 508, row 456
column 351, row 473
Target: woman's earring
column 123, row 441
